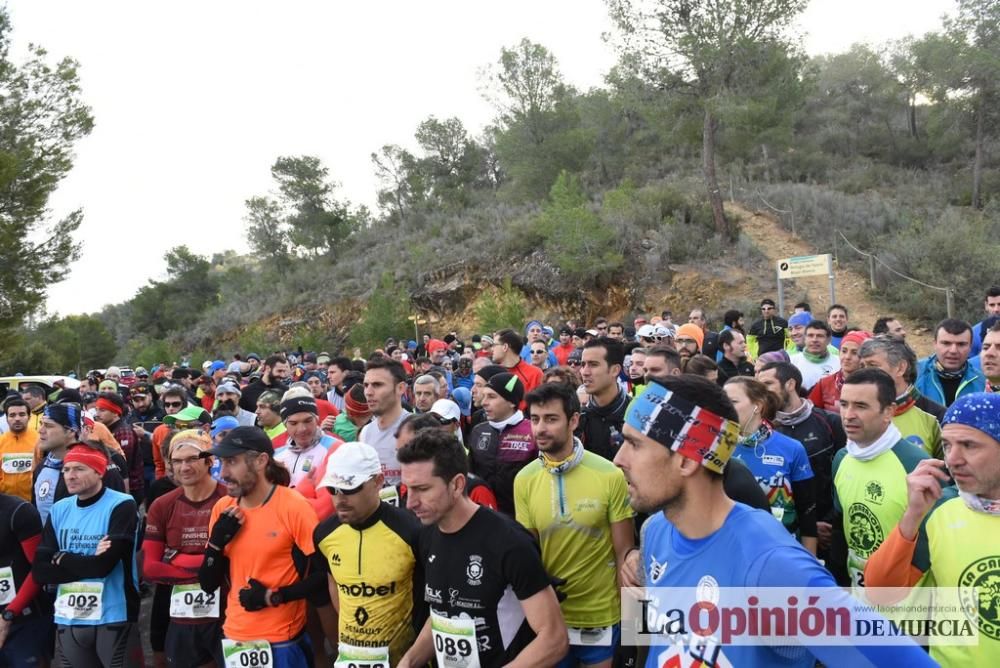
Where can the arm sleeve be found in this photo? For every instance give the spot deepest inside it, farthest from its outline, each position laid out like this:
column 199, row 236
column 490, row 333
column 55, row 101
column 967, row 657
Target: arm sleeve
column 891, row 565
column 804, row 493
column 312, row 582
column 42, row 567
column 27, row 526
column 121, row 531
column 159, row 466
column 215, row 567
column 157, row 570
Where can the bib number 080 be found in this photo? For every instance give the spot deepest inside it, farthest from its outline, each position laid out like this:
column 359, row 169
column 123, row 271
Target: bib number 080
column 255, row 657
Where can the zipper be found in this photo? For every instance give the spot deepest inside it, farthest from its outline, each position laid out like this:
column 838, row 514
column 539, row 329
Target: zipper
column 361, row 540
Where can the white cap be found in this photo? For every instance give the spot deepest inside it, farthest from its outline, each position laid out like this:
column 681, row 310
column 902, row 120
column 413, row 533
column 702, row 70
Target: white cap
column 661, row 331
column 206, row 364
column 646, row 331
column 447, row 409
column 351, row 465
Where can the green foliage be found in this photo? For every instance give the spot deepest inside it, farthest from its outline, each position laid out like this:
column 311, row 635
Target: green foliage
column 581, row 246
column 42, row 117
column 500, row 308
column 385, row 315
column 165, row 306
column 147, row 352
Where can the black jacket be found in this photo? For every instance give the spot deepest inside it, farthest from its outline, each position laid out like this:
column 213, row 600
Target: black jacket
column 600, row 428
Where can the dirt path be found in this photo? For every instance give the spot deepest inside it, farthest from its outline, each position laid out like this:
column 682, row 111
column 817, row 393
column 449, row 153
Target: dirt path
column 851, row 288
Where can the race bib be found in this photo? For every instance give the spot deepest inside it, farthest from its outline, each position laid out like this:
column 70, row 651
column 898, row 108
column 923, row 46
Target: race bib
column 243, row 654
column 7, row 589
column 389, row 494
column 17, row 462
column 350, row 656
column 599, row 637
column 856, row 568
column 82, row 601
column 191, row 602
column 455, row 644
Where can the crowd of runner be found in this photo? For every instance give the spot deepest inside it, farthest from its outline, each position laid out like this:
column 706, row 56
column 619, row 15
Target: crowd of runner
column 481, row 501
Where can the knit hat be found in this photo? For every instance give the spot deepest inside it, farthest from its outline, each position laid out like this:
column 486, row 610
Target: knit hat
column 857, row 337
column 488, row 372
column 220, row 424
column 229, row 388
column 980, row 411
column 800, row 319
column 463, row 397
column 107, row 386
column 88, row 456
column 533, row 323
column 693, row 331
column 774, row 356
column 508, row 386
column 66, row 415
column 290, row 407
column 355, row 402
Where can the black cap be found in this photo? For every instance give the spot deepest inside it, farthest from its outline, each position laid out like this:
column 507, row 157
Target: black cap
column 566, row 330
column 243, row 439
column 141, row 388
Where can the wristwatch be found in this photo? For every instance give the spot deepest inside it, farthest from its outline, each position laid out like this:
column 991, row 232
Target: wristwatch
column 8, row 616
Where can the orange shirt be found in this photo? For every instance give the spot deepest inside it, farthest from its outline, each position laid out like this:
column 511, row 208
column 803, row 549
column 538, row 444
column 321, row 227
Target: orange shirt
column 531, row 377
column 262, row 549
column 159, row 435
column 17, row 451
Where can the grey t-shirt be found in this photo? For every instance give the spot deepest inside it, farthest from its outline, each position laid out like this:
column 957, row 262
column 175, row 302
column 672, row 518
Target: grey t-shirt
column 384, row 442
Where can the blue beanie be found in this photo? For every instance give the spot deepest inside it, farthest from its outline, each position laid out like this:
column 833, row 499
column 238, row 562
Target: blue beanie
column 980, row 411
column 800, row 319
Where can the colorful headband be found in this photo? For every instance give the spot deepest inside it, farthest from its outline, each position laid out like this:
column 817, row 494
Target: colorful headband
column 684, row 427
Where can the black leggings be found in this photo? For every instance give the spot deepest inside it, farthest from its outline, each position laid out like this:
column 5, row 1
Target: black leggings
column 159, row 617
column 106, row 646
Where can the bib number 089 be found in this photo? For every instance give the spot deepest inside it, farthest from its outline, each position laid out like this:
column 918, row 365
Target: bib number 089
column 452, row 647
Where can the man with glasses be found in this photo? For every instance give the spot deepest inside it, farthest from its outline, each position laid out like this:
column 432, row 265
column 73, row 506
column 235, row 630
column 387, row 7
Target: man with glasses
column 768, row 333
column 174, row 548
column 688, row 340
column 539, row 355
column 369, row 548
column 174, row 399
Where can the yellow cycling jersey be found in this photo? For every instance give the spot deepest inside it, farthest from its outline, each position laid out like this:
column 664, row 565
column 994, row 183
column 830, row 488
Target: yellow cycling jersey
column 378, row 578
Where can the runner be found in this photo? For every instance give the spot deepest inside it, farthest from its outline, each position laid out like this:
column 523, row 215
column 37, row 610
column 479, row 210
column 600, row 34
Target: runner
column 26, row 619
column 17, row 450
column 768, row 333
column 502, row 446
column 779, row 463
column 491, row 601
column 88, row 549
column 576, row 503
column 825, row 394
column 269, row 418
column 307, row 445
column 174, row 399
column 371, row 555
column 385, row 384
column 916, row 416
column 260, row 539
column 869, row 475
column 174, row 549
column 953, row 535
column 110, row 410
column 602, row 417
column 698, row 537
column 59, row 430
column 947, row 374
column 507, row 347
column 355, row 416
column 815, row 360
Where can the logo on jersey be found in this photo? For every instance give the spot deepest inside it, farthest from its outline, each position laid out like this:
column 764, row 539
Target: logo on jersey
column 708, row 589
column 432, row 595
column 865, row 533
column 43, row 489
column 874, row 492
column 335, row 559
column 474, row 571
column 656, row 569
column 361, row 616
column 979, row 592
column 773, row 460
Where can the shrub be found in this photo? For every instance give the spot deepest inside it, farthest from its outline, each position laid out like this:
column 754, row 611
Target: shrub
column 499, row 308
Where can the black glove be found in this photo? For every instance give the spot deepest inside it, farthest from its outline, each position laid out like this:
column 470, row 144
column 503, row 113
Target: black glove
column 556, row 583
column 224, row 530
column 253, row 597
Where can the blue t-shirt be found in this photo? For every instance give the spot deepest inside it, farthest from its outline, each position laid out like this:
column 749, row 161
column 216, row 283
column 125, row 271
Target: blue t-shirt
column 776, row 463
column 45, row 485
column 751, row 550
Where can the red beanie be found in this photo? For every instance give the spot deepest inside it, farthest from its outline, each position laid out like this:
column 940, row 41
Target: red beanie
column 857, row 337
column 109, row 405
column 88, row 456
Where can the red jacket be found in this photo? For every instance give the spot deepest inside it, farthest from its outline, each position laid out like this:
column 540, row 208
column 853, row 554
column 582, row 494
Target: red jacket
column 826, row 393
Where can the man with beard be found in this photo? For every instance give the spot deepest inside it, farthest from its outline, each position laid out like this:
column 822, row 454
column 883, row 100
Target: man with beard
column 228, row 396
column 697, row 536
column 275, row 375
column 17, row 450
column 555, row 498
column 260, row 539
column 144, row 410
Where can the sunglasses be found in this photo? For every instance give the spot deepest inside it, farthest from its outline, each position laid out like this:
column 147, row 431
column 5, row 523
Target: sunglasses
column 172, row 404
column 573, row 363
column 347, row 492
